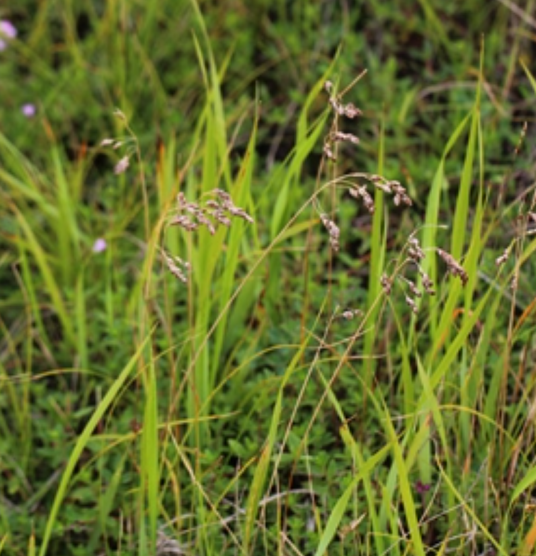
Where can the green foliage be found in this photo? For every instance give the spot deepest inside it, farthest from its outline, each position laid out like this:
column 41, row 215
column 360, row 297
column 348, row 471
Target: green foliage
column 284, row 399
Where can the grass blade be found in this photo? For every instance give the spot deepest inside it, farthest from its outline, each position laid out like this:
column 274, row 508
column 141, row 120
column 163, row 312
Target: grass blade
column 82, row 441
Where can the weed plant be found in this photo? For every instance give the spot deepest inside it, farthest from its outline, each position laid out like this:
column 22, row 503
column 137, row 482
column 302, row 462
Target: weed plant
column 256, row 300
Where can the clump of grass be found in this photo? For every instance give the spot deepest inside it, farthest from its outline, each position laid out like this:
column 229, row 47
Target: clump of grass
column 256, row 416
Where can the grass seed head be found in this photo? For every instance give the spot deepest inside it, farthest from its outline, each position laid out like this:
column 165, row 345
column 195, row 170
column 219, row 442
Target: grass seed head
column 348, row 110
column 401, row 196
column 345, row 137
column 208, row 215
column 413, row 288
column 453, row 266
column 503, row 258
column 515, row 281
column 427, row 283
column 333, row 231
column 220, row 217
column 241, row 213
column 184, row 222
column 328, row 152
column 386, row 284
column 177, row 267
column 412, row 305
column 415, row 251
column 121, row 166
column 361, row 192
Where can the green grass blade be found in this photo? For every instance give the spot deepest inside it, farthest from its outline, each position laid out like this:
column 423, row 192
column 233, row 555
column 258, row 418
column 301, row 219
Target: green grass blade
column 339, row 510
column 48, row 277
column 406, row 490
column 429, row 233
column 150, row 474
column 529, row 75
column 241, row 193
column 82, row 441
column 377, row 257
column 471, row 512
column 357, row 454
column 261, row 472
column 81, row 321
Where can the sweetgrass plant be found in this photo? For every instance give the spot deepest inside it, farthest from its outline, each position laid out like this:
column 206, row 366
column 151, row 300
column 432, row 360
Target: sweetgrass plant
column 198, row 359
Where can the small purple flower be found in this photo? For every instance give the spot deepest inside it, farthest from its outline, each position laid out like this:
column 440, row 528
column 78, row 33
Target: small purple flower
column 421, row 488
column 99, row 246
column 7, row 29
column 7, row 32
column 28, row 109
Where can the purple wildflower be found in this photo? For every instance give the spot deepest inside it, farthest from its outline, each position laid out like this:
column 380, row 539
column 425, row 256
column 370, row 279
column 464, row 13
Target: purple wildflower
column 99, row 246
column 7, row 32
column 421, row 488
column 28, row 109
column 7, row 29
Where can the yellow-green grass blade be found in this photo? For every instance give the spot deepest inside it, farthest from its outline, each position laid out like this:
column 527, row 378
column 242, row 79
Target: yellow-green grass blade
column 406, row 383
column 67, row 234
column 31, row 545
column 357, row 454
column 435, row 23
column 209, row 249
column 212, row 82
column 405, row 486
column 470, row 511
column 477, row 240
column 150, row 473
column 438, row 372
column 459, row 227
column 377, row 257
column 306, row 138
column 48, row 277
column 81, row 320
column 261, row 471
column 283, row 205
column 82, row 441
column 432, row 218
column 22, row 177
column 285, row 201
column 19, row 188
column 530, row 76
column 13, row 395
column 360, row 463
column 3, row 541
column 241, row 193
column 339, row 509
column 430, row 405
column 526, row 482
column 471, row 264
column 105, row 504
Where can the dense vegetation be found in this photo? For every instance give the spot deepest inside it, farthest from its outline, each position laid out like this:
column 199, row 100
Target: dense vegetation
column 256, row 299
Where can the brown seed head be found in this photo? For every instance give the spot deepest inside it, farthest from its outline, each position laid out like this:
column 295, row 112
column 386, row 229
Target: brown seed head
column 428, row 285
column 340, row 136
column 503, row 258
column 453, row 266
column 413, row 288
column 412, row 305
column 386, row 284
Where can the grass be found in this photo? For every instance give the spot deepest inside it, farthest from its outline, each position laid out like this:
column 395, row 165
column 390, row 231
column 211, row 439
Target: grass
column 289, row 397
